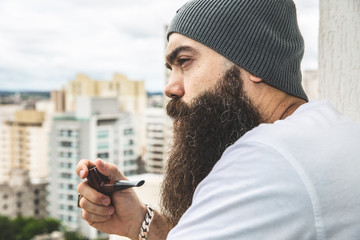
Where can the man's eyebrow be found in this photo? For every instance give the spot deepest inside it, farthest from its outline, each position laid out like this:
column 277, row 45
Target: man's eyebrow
column 170, row 58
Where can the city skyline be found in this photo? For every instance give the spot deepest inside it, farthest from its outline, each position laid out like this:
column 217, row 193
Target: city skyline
column 45, row 45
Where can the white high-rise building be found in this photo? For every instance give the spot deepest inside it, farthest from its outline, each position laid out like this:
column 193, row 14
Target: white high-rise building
column 7, row 114
column 158, row 131
column 96, row 130
column 24, row 145
column 23, row 162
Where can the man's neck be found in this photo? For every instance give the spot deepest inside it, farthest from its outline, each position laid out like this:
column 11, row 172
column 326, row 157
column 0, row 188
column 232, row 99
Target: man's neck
column 277, row 105
column 272, row 103
column 292, row 108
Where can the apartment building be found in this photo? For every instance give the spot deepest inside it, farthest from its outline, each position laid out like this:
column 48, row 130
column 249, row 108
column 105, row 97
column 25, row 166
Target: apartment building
column 23, row 162
column 95, row 130
column 20, row 196
column 158, row 134
column 7, row 113
column 131, row 94
column 24, row 145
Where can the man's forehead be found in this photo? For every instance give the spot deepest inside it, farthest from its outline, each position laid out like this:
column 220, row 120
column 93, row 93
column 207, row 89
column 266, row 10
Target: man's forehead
column 177, row 40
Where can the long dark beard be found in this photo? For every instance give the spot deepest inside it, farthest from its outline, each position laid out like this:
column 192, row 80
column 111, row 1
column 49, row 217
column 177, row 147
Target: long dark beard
column 202, row 132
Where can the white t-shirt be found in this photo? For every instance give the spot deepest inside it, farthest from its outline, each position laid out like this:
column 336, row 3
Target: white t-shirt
column 295, row 179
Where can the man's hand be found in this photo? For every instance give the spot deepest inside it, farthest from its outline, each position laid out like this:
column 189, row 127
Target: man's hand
column 122, row 214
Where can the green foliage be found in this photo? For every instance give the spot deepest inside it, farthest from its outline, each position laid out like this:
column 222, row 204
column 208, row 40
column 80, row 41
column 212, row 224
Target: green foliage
column 25, row 228
column 74, row 236
column 7, row 230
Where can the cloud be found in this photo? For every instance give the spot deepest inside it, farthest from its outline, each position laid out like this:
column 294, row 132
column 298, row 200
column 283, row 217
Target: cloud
column 44, row 44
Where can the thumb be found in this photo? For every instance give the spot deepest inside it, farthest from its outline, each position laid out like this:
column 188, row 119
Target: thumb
column 109, row 170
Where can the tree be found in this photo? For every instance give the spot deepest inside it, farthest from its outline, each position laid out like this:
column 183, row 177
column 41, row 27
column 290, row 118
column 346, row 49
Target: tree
column 24, row 228
column 7, row 230
column 74, row 236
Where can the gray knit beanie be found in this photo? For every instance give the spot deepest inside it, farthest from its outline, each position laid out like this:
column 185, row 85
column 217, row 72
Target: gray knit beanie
column 261, row 36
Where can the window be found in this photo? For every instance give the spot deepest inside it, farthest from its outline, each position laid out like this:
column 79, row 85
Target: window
column 158, row 138
column 157, row 145
column 66, row 175
column 156, row 152
column 103, row 146
column 128, row 131
column 128, row 152
column 73, row 133
column 103, row 134
column 130, row 163
column 65, row 154
column 103, row 155
column 65, row 144
column 128, row 173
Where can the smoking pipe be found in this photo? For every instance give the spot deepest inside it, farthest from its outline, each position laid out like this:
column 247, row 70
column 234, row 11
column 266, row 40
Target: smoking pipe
column 103, row 184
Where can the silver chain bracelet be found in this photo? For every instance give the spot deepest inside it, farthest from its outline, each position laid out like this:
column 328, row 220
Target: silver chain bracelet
column 144, row 230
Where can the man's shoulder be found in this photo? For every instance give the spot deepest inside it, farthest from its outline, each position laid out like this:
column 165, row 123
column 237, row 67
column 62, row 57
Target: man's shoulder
column 313, row 123
column 248, row 186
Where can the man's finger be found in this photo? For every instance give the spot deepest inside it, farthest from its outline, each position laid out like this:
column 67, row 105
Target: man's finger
column 82, row 167
column 92, row 195
column 96, row 209
column 109, row 170
column 93, row 218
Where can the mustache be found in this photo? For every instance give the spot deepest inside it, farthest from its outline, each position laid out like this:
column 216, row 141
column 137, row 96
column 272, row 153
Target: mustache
column 177, row 109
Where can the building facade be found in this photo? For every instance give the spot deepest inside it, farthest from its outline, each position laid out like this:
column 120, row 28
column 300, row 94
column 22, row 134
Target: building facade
column 157, row 140
column 24, row 145
column 21, row 197
column 131, row 94
column 96, row 130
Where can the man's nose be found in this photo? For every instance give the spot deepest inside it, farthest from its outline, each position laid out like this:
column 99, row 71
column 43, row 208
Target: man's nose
column 175, row 87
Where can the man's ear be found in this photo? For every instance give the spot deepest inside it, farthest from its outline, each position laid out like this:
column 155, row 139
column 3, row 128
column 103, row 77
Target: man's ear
column 254, row 78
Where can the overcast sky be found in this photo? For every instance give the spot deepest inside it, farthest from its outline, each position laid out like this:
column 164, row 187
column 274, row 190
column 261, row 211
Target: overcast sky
column 44, row 44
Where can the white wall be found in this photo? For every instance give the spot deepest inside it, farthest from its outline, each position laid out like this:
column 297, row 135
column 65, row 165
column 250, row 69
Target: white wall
column 339, row 55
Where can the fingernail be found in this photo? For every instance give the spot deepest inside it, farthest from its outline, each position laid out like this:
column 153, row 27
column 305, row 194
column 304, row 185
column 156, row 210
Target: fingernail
column 101, row 163
column 106, row 201
column 82, row 173
column 111, row 210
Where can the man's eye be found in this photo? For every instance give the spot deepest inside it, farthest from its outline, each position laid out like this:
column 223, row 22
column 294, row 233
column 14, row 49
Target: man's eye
column 181, row 61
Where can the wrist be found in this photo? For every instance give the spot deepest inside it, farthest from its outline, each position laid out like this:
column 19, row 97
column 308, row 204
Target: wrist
column 135, row 221
column 145, row 225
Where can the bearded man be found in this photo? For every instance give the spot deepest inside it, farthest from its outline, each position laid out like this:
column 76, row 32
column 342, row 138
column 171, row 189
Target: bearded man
column 251, row 157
